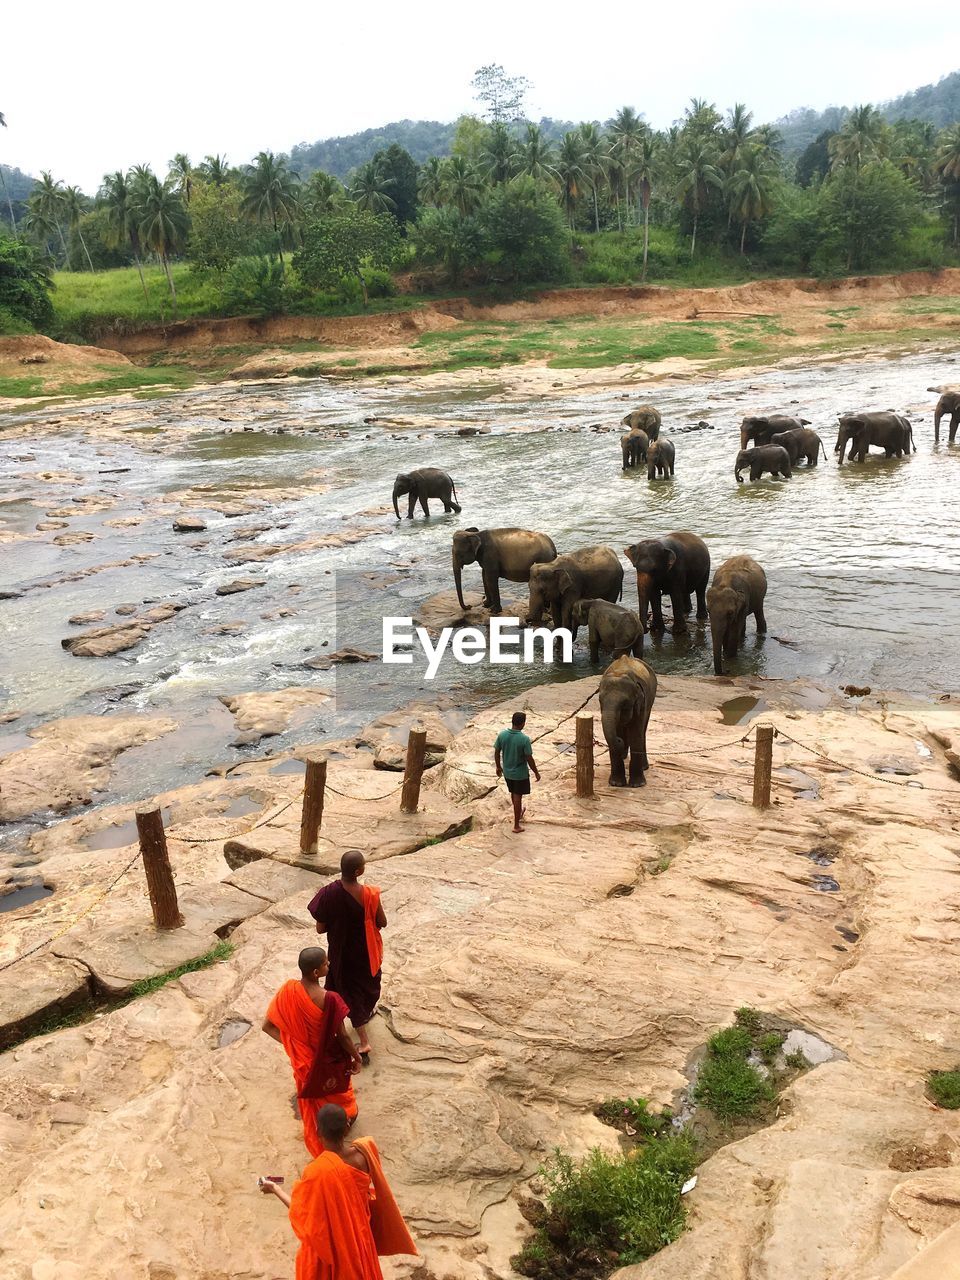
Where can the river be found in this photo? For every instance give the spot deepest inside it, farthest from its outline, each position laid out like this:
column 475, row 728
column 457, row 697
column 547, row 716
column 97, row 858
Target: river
column 861, row 560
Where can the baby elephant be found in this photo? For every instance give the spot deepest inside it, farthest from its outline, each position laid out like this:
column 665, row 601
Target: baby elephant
column 634, row 446
column 799, row 443
column 424, row 483
column 739, row 587
column 765, row 457
column 612, row 627
column 628, row 688
column 660, row 457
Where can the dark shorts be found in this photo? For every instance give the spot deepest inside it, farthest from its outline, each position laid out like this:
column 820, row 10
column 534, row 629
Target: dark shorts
column 518, row 786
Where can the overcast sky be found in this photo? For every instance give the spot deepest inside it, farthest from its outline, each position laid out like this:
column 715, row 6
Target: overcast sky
column 96, row 86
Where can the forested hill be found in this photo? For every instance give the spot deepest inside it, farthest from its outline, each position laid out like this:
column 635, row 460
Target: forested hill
column 421, row 138
column 19, row 184
column 938, row 104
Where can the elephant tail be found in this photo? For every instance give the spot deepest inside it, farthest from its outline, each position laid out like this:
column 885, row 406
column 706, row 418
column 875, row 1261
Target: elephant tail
column 823, row 451
column 456, row 501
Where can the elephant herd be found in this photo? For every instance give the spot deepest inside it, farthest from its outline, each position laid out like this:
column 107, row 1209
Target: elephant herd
column 643, row 445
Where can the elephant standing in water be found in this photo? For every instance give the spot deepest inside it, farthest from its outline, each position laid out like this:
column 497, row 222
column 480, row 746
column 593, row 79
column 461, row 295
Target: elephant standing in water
column 660, row 458
column 678, row 564
column 424, row 483
column 645, row 418
column 949, row 403
column 557, row 586
column 627, row 691
column 739, row 587
column 762, row 429
column 634, row 447
column 611, row 627
column 765, row 457
column 887, row 430
column 501, row 553
column 800, row 442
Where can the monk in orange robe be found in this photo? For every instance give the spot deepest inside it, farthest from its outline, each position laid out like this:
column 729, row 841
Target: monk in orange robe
column 352, row 916
column 342, row 1209
column 308, row 1022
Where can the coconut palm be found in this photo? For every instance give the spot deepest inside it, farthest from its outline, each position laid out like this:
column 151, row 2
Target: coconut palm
column 181, row 175
column 536, row 155
column 947, row 166
column 462, row 186
column 644, row 173
column 696, row 171
column 500, row 157
column 571, row 173
column 162, row 223
column 430, row 182
column 215, row 170
column 48, row 200
column 626, row 131
column 270, row 194
column 116, row 198
column 6, row 190
column 859, row 140
column 370, row 189
column 74, row 207
column 737, row 133
column 751, row 188
column 594, row 164
column 322, row 194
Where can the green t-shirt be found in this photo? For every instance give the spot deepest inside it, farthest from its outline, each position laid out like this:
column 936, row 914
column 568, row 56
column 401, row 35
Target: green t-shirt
column 514, row 747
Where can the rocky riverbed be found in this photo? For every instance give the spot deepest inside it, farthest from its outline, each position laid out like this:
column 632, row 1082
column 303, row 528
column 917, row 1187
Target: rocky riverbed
column 527, row 979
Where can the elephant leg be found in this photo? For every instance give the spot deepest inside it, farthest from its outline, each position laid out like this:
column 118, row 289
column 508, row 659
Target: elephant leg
column 954, row 424
column 636, row 764
column 637, row 649
column 491, row 590
column 411, row 503
column 423, row 504
column 755, row 473
column 618, row 776
column 687, row 603
column 760, row 620
column 594, row 653
column 701, row 591
column 678, row 599
column 656, row 609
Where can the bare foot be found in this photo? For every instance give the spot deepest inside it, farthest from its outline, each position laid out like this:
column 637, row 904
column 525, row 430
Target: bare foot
column 518, row 831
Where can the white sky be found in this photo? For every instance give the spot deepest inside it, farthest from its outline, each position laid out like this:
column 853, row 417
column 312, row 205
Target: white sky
column 96, row 86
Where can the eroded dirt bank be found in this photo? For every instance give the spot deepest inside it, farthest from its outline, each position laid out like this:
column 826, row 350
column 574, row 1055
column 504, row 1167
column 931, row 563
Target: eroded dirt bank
column 527, row 979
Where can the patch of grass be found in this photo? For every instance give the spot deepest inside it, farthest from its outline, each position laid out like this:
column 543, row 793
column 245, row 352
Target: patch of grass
column 769, row 1045
column 728, row 1084
column 944, row 1087
column 750, row 1019
column 613, row 344
column 633, row 1116
column 797, row 1060
column 19, row 387
column 222, row 951
column 609, row 1211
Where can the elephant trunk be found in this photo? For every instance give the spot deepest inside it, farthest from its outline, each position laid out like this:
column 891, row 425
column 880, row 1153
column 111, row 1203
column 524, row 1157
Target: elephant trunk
column 717, row 637
column 458, row 580
column 645, row 590
column 610, row 727
column 396, row 507
column 744, row 437
column 736, row 471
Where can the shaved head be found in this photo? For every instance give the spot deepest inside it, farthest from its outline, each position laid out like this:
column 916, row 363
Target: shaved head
column 333, row 1123
column 310, row 959
column 352, row 864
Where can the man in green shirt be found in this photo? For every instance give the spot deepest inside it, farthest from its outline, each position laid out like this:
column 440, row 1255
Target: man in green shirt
column 513, row 756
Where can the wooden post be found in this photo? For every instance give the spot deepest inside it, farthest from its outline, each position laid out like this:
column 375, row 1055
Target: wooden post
column 156, row 863
column 585, row 757
column 312, row 813
column 413, row 771
column 763, row 766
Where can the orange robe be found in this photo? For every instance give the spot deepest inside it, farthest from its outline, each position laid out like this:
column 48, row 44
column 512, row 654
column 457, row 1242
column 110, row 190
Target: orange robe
column 390, row 1232
column 374, row 938
column 330, row 1213
column 301, row 1027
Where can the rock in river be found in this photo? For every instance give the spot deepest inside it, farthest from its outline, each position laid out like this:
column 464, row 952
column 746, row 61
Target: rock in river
column 239, row 584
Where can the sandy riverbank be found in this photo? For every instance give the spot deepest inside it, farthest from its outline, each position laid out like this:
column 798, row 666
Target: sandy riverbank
column 527, row 979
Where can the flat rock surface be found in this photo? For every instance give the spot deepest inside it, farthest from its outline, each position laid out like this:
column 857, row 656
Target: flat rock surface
column 527, row 978
column 267, row 714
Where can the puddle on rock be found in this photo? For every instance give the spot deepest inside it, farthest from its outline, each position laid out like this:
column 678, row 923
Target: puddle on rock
column 232, row 1030
column 15, row 742
column 740, row 710
column 826, row 884
column 848, row 935
column 21, row 897
column 820, row 856
column 118, row 834
column 290, row 766
column 808, row 788
column 242, row 807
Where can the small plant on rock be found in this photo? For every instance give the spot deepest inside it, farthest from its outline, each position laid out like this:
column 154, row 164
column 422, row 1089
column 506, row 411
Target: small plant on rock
column 749, row 1019
column 728, row 1084
column 633, row 1116
column 797, row 1060
column 769, row 1045
column 944, row 1088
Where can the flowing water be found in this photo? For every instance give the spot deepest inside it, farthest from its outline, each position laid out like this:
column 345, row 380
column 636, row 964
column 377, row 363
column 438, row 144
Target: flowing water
column 861, row 559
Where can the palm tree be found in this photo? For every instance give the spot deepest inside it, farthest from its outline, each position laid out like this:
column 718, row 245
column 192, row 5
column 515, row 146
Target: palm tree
column 181, row 175
column 859, row 140
column 626, row 130
column 215, row 170
column 37, row 224
column 536, row 156
column 696, row 171
column 271, row 193
column 162, row 222
column 947, row 165
column 500, row 157
column 74, row 207
column 594, row 164
column 430, row 182
column 115, row 196
column 462, row 186
column 48, row 197
column 644, row 172
column 322, row 194
column 6, row 190
column 737, row 133
column 571, row 173
column 370, row 189
column 751, row 188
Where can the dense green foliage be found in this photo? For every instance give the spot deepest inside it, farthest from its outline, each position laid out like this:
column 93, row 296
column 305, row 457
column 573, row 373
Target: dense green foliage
column 25, row 286
column 337, row 248
column 728, row 1083
column 944, row 1088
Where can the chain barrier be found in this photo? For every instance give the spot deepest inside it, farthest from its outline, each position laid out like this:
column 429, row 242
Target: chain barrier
column 912, row 783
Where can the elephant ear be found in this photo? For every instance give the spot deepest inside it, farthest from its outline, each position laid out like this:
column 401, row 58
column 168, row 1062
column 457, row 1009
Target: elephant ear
column 671, row 559
column 565, row 580
column 631, row 554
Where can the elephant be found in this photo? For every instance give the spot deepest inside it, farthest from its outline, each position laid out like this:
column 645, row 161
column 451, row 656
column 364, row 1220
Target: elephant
column 739, row 587
column 647, row 418
column 501, row 553
column 800, row 442
column 889, row 431
column 627, row 691
column 612, row 627
column 424, row 483
column 761, row 429
column 660, row 457
column 634, row 447
column 678, row 564
column 949, row 402
column 590, row 572
column 766, row 457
